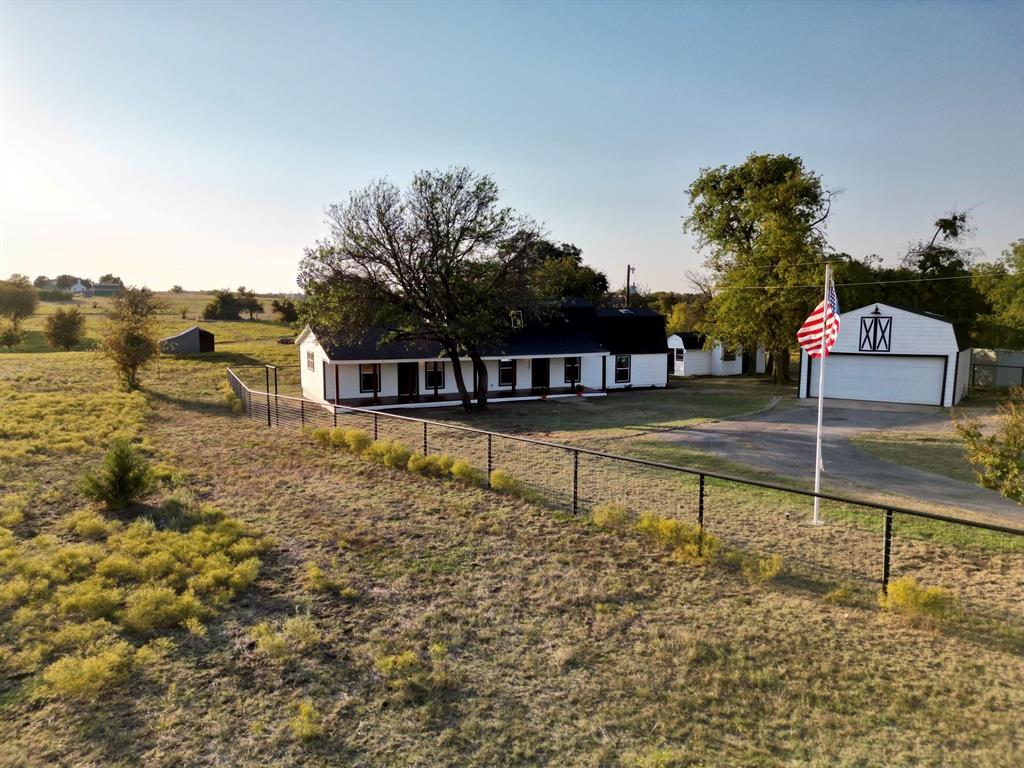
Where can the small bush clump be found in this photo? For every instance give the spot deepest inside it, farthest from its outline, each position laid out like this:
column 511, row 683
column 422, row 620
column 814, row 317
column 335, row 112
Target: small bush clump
column 431, row 466
column 281, row 641
column 85, row 675
column 318, row 580
column 307, row 722
column 390, row 453
column 503, row 482
column 907, row 596
column 467, row 473
column 609, row 516
column 231, row 400
column 123, row 479
column 89, row 524
column 414, row 677
column 12, row 509
column 687, row 542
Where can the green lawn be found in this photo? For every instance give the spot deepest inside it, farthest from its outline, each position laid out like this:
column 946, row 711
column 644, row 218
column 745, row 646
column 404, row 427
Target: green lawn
column 939, row 453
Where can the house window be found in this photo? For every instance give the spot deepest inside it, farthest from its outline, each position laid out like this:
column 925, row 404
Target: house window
column 506, row 373
column 622, row 363
column 434, row 375
column 728, row 354
column 368, row 375
column 572, row 370
column 310, row 364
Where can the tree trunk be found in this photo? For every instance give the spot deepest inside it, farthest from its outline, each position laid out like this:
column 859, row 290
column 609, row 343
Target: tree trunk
column 780, row 366
column 460, row 382
column 481, row 380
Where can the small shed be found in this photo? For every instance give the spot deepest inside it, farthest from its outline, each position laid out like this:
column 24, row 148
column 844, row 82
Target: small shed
column 893, row 354
column 195, row 339
column 688, row 357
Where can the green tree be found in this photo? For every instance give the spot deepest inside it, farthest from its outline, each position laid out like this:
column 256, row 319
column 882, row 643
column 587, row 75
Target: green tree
column 10, row 336
column 63, row 282
column 1002, row 284
column 64, row 328
column 176, row 289
column 440, row 261
column 110, row 278
column 129, row 340
column 41, row 282
column 761, row 225
column 124, row 478
column 247, row 302
column 223, row 306
column 998, row 458
column 286, row 309
column 18, row 298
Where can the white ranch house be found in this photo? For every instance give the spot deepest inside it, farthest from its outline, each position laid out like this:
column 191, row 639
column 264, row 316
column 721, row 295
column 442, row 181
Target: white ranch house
column 891, row 354
column 582, row 351
column 688, row 357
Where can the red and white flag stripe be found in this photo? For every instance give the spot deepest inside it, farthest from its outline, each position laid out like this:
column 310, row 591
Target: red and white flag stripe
column 824, row 320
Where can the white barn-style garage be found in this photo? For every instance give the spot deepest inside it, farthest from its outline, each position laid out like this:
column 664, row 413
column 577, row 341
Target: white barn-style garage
column 891, row 354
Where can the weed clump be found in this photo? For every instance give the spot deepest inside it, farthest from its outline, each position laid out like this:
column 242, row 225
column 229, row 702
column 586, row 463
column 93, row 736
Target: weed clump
column 282, row 641
column 151, row 607
column 123, row 479
column 467, row 473
column 609, row 516
column 431, row 466
column 84, row 675
column 390, row 453
column 504, row 482
column 357, row 440
column 307, row 723
column 231, row 400
column 687, row 542
column 907, row 596
column 12, row 509
column 415, row 677
column 89, row 524
column 318, row 580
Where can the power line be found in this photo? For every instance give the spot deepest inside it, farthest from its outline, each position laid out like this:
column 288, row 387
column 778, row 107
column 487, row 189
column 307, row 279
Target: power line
column 871, row 282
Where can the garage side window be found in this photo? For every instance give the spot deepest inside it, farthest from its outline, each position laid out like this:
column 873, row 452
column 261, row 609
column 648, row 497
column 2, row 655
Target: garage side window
column 622, row 364
column 368, row 378
column 728, row 354
column 310, row 363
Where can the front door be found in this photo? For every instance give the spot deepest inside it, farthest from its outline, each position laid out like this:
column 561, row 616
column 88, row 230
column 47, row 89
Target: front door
column 540, row 372
column 408, row 380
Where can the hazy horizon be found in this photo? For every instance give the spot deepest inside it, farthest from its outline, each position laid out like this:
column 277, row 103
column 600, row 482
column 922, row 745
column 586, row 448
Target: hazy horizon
column 199, row 144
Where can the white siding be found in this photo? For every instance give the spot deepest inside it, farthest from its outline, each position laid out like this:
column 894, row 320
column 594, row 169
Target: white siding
column 645, row 371
column 312, row 381
column 696, row 362
column 963, row 375
column 721, row 367
column 921, row 347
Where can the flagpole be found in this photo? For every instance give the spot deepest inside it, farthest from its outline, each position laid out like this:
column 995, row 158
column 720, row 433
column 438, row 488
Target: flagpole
column 821, row 396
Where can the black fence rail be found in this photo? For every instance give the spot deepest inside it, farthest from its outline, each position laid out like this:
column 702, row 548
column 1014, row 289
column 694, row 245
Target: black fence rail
column 864, row 544
column 993, row 376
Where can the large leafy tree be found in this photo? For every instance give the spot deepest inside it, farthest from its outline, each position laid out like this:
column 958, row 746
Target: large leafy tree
column 18, row 299
column 761, row 225
column 1002, row 285
column 441, row 261
column 559, row 273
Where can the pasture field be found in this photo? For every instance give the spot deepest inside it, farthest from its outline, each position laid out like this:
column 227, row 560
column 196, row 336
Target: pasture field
column 406, row 620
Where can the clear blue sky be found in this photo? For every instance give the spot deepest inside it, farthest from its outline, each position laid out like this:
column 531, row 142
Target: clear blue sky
column 199, row 143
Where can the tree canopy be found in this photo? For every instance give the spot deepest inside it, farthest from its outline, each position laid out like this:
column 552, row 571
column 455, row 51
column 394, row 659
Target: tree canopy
column 18, row 298
column 64, row 328
column 761, row 226
column 129, row 340
column 441, row 261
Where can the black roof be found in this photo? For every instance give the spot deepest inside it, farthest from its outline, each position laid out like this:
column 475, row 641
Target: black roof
column 576, row 329
column 692, row 339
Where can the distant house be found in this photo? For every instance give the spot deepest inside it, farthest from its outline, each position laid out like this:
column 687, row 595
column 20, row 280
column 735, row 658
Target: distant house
column 582, row 350
column 895, row 355
column 106, row 289
column 79, row 289
column 688, row 357
column 192, row 340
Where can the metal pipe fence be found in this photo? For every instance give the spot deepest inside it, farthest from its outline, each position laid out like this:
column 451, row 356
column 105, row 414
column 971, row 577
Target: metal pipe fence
column 865, row 544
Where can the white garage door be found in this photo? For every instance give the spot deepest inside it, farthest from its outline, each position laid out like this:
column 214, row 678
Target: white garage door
column 884, row 378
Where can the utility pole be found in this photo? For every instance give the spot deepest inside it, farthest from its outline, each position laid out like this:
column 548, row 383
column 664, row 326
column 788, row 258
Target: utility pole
column 629, row 270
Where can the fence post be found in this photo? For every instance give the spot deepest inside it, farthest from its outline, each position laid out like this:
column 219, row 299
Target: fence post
column 334, row 410
column 266, row 370
column 489, row 455
column 424, row 438
column 886, row 551
column 575, row 482
column 700, row 518
column 375, row 426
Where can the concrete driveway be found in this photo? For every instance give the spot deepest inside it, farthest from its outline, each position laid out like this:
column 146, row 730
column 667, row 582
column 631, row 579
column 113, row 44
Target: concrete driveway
column 782, row 441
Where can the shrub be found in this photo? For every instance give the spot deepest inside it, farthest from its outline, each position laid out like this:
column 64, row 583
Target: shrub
column 390, row 453
column 130, row 341
column 10, row 336
column 687, row 541
column 94, row 598
column 336, row 438
column 123, row 479
column 357, row 440
column 609, row 516
column 907, row 596
column 467, row 473
column 231, row 400
column 307, row 723
column 431, row 466
column 762, row 569
column 280, row 642
column 503, row 482
column 322, row 436
column 998, row 459
column 86, row 675
column 64, row 328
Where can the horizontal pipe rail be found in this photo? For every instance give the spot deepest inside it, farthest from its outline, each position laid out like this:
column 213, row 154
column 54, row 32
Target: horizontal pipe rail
column 332, row 408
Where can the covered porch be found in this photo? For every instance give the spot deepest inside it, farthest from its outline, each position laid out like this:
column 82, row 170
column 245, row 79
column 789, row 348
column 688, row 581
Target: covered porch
column 440, row 400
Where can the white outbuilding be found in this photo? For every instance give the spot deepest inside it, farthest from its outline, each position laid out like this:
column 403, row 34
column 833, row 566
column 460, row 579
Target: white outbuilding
column 688, row 357
column 894, row 355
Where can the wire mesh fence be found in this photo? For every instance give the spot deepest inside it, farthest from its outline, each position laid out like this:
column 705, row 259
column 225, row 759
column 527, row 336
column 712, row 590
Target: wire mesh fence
column 864, row 544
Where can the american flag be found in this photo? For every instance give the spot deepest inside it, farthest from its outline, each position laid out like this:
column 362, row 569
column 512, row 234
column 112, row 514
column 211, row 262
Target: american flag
column 809, row 335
